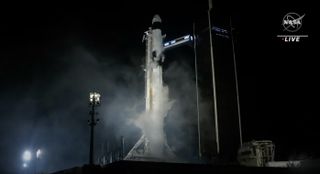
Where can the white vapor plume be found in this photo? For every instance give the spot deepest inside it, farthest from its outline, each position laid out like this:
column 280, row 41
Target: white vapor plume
column 151, row 121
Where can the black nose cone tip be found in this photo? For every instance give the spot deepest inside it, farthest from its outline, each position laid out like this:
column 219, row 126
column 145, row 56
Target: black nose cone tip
column 156, row 22
column 156, row 19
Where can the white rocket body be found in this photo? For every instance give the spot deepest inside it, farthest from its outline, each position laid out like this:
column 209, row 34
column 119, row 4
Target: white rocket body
column 154, row 58
column 153, row 143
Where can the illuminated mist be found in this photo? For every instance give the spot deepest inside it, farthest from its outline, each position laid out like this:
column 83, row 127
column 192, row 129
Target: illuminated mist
column 52, row 110
column 151, row 122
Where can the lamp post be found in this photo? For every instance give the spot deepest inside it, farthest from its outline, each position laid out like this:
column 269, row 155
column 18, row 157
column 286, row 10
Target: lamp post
column 27, row 157
column 38, row 154
column 94, row 100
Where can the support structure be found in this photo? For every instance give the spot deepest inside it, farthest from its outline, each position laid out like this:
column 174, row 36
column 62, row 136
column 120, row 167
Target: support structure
column 215, row 107
column 94, row 99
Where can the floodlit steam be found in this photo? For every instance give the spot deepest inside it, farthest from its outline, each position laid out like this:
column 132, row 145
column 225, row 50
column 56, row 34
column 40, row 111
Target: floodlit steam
column 151, row 122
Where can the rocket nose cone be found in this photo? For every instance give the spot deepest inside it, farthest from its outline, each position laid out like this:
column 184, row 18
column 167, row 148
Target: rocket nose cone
column 156, row 18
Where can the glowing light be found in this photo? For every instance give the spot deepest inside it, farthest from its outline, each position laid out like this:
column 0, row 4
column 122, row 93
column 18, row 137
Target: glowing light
column 24, row 165
column 94, row 98
column 26, row 155
column 38, row 153
column 172, row 42
column 166, row 44
column 186, row 37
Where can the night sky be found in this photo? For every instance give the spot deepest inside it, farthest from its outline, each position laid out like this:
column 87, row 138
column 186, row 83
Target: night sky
column 53, row 56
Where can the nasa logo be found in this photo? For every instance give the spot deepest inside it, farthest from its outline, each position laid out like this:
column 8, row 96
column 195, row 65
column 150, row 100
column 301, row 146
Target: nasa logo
column 292, row 22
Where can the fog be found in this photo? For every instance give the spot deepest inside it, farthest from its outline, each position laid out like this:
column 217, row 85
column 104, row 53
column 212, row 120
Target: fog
column 52, row 110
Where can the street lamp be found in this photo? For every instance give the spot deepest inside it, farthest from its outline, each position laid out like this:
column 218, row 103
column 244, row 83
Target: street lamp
column 26, row 156
column 94, row 100
column 24, row 165
column 36, row 163
column 38, row 153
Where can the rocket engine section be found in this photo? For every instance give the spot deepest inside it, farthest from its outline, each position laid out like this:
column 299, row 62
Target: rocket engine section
column 157, row 40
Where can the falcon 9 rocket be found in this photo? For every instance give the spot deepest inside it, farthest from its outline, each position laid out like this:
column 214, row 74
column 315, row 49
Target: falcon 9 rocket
column 153, row 143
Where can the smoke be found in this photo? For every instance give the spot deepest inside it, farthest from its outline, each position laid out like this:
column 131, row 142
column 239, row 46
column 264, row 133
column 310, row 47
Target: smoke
column 151, row 122
column 181, row 122
column 52, row 111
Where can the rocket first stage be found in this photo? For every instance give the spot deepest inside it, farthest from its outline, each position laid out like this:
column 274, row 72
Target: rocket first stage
column 154, row 59
column 153, row 143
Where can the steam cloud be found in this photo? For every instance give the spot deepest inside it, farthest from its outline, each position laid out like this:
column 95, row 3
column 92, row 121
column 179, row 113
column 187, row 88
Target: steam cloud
column 53, row 109
column 151, row 121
